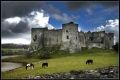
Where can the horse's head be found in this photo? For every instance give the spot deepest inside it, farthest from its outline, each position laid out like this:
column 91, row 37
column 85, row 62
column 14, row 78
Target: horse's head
column 32, row 64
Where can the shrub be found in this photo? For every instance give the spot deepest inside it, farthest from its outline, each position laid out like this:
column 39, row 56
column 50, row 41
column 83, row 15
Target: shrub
column 115, row 47
column 44, row 55
column 84, row 48
column 28, row 55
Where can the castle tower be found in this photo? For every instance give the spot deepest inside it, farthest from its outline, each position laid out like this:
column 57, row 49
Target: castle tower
column 109, row 40
column 37, row 38
column 70, row 39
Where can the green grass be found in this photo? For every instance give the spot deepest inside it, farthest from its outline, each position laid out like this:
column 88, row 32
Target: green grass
column 8, row 49
column 59, row 63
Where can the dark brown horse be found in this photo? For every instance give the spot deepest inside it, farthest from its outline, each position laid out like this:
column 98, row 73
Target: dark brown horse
column 44, row 65
column 90, row 61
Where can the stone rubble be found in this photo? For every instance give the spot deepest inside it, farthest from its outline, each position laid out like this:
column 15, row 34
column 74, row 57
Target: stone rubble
column 111, row 72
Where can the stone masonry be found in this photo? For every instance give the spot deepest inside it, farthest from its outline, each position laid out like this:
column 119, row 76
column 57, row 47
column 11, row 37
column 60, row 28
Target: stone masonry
column 69, row 38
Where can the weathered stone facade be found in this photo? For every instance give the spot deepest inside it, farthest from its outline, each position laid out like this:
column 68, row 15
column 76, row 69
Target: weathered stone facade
column 69, row 38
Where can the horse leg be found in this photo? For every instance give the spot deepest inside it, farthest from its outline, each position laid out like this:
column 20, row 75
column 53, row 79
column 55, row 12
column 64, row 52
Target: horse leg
column 26, row 67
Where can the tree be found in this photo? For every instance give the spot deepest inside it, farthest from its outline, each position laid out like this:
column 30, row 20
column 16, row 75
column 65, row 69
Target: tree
column 116, row 46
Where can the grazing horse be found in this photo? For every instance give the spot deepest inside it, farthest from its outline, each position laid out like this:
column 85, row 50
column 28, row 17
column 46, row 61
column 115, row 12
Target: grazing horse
column 29, row 65
column 44, row 65
column 89, row 61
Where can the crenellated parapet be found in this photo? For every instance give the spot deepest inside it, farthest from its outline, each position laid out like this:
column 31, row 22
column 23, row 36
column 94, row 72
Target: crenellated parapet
column 69, row 38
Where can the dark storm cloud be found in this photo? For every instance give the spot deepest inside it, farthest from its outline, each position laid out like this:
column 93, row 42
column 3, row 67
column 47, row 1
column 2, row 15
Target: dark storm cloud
column 82, row 5
column 12, row 9
column 52, row 10
column 5, row 33
column 77, row 5
column 14, row 30
column 109, row 4
column 59, row 15
column 22, row 27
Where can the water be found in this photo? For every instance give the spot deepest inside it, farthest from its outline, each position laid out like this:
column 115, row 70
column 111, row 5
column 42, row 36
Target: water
column 5, row 66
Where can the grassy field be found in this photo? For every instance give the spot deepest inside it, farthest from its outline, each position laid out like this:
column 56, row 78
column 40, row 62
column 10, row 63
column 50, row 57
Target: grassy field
column 8, row 49
column 102, row 58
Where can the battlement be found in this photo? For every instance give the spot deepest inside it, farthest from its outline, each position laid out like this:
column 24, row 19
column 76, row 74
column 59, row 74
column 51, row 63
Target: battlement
column 70, row 23
column 69, row 35
column 45, row 28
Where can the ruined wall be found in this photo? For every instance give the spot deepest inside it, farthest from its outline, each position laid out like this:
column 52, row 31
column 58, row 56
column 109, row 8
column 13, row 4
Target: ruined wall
column 37, row 39
column 92, row 39
column 52, row 38
column 109, row 40
column 70, row 39
column 82, row 38
column 95, row 40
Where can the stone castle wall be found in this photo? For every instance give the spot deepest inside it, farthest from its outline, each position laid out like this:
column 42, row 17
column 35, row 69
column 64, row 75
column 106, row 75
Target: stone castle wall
column 52, row 38
column 69, row 38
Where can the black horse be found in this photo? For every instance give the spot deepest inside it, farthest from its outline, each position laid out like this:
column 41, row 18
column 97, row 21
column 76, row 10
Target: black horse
column 29, row 65
column 89, row 61
column 44, row 65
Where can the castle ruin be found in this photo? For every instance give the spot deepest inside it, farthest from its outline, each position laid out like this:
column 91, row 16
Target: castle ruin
column 69, row 38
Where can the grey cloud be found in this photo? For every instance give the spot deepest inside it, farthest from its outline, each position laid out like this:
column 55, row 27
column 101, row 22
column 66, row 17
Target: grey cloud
column 13, row 30
column 77, row 5
column 75, row 17
column 96, row 20
column 72, row 6
column 58, row 15
column 22, row 27
column 110, row 4
column 52, row 10
column 89, row 11
column 7, row 34
column 109, row 10
column 23, row 9
column 19, row 8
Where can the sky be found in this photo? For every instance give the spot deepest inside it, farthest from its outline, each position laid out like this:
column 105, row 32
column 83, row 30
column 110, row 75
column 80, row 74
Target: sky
column 18, row 17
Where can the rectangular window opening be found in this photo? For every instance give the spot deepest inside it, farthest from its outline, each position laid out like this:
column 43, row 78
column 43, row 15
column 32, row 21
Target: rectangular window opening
column 67, row 37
